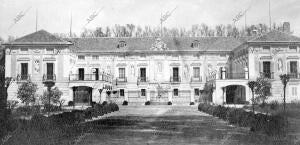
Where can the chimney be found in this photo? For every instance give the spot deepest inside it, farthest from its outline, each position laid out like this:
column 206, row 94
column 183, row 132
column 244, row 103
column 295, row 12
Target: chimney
column 286, row 27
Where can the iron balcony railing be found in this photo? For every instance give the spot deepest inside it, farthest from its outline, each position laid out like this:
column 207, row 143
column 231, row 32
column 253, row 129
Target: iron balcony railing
column 90, row 77
column 121, row 79
column 234, row 76
column 143, row 79
column 294, row 75
column 269, row 75
column 22, row 77
column 175, row 79
column 47, row 77
column 196, row 79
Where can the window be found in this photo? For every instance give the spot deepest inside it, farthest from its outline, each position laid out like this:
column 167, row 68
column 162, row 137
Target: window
column 143, row 92
column 95, row 57
column 121, row 44
column 159, row 67
column 80, row 73
column 121, row 72
column 49, row 50
column 197, row 92
column 81, row 57
column 294, row 91
column 196, row 72
column 122, row 94
column 175, row 92
column 293, row 48
column 24, row 71
column 266, row 48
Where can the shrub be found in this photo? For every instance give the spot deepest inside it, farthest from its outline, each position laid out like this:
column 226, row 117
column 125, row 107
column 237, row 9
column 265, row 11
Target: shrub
column 125, row 103
column 51, row 108
column 192, row 103
column 169, row 103
column 147, row 103
column 93, row 104
column 70, row 103
column 104, row 103
column 274, row 105
column 26, row 92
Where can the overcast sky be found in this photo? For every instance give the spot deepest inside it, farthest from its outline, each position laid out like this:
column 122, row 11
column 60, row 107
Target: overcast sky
column 54, row 15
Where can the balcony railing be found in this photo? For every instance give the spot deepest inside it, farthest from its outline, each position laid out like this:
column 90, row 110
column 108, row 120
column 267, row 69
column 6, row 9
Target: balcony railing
column 294, row 75
column 175, row 79
column 121, row 79
column 142, row 79
column 22, row 77
column 90, row 77
column 234, row 76
column 47, row 77
column 196, row 79
column 269, row 75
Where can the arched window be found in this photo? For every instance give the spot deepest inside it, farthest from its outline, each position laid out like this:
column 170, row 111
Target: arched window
column 121, row 44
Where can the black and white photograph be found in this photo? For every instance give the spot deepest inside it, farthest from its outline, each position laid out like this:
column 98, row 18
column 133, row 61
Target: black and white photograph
column 149, row 72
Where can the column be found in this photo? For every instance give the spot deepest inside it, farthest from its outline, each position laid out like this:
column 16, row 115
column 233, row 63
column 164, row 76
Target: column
column 170, row 99
column 192, row 95
column 246, row 73
column 148, row 95
column 126, row 95
column 224, row 95
column 223, row 73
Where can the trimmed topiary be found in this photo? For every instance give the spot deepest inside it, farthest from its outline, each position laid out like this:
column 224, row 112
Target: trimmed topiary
column 147, row 103
column 125, row 103
column 104, row 103
column 192, row 103
column 169, row 103
column 70, row 103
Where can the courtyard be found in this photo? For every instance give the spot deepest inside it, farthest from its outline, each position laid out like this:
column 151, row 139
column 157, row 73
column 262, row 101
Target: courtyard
column 162, row 124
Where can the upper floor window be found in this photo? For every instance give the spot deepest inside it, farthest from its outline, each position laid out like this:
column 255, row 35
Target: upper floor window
column 121, row 72
column 266, row 48
column 121, row 44
column 122, row 94
column 175, row 92
column 197, row 92
column 49, row 50
column 81, row 57
column 195, row 44
column 294, row 91
column 293, row 48
column 95, row 57
column 143, row 92
column 196, row 72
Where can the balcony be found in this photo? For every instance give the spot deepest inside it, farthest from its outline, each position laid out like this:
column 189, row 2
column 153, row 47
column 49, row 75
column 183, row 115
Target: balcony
column 175, row 79
column 142, row 80
column 121, row 79
column 90, row 77
column 269, row 75
column 294, row 75
column 49, row 77
column 196, row 79
column 235, row 76
column 23, row 77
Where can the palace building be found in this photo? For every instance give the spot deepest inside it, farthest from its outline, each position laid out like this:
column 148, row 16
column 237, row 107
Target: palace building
column 180, row 70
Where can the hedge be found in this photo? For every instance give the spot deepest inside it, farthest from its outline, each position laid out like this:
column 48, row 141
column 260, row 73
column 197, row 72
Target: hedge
column 271, row 125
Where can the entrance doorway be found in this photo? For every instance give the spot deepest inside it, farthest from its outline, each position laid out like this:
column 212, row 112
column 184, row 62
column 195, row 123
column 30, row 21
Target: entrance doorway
column 235, row 94
column 143, row 74
column 82, row 95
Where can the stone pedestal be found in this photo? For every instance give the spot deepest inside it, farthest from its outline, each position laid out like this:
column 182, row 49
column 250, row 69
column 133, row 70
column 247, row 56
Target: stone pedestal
column 170, row 97
column 246, row 73
column 192, row 96
column 126, row 96
column 148, row 95
column 223, row 73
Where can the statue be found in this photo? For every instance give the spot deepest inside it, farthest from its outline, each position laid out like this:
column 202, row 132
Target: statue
column 36, row 65
column 280, row 64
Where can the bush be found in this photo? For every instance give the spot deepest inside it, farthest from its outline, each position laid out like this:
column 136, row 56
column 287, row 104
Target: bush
column 169, row 103
column 70, row 103
column 51, row 108
column 271, row 125
column 93, row 104
column 104, row 103
column 147, row 103
column 125, row 103
column 192, row 103
column 274, row 105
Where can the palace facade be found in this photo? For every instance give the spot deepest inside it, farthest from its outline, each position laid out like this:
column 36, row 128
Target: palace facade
column 179, row 70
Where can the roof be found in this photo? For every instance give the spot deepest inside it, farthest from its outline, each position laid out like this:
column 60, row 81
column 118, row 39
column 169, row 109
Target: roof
column 104, row 44
column 39, row 37
column 276, row 36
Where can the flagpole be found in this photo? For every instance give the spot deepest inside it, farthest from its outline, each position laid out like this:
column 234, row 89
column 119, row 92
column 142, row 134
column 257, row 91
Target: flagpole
column 270, row 15
column 71, row 26
column 161, row 29
column 36, row 20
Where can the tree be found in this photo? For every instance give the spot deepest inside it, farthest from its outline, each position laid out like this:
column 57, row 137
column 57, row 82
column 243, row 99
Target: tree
column 26, row 92
column 55, row 96
column 252, row 85
column 262, row 89
column 285, row 78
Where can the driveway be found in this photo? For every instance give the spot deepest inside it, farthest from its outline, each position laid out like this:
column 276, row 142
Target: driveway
column 162, row 124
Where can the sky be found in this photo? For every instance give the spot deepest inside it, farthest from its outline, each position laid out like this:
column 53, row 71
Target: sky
column 54, row 16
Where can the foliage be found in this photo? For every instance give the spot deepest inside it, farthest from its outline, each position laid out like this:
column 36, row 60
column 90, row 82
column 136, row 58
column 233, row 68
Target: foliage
column 192, row 103
column 169, row 103
column 70, row 103
column 262, row 89
column 207, row 92
column 147, row 103
column 55, row 97
column 11, row 104
column 26, row 92
column 271, row 125
column 285, row 78
column 125, row 103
